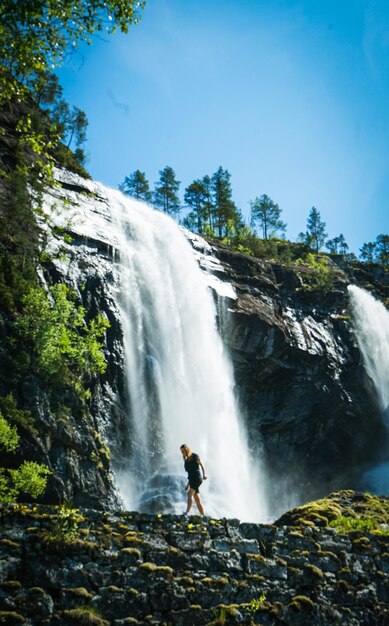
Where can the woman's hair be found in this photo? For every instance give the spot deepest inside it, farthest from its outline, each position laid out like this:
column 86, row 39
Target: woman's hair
column 186, row 448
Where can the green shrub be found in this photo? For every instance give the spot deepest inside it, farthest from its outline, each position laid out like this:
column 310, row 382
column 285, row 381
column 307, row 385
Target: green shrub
column 318, row 274
column 345, row 525
column 63, row 348
column 67, row 524
column 9, row 437
column 14, row 415
column 257, row 603
column 280, row 250
column 30, row 478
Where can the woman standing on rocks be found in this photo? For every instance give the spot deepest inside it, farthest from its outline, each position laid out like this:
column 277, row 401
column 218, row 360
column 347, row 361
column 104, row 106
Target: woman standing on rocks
column 192, row 466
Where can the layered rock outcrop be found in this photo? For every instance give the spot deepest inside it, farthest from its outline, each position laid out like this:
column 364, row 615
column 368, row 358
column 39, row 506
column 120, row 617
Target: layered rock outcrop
column 300, row 375
column 86, row 567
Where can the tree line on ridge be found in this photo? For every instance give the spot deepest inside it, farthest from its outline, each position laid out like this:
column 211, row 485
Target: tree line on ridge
column 211, row 211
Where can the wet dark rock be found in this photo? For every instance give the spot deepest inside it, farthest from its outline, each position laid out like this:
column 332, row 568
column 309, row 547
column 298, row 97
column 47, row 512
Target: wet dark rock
column 300, row 376
column 310, row 575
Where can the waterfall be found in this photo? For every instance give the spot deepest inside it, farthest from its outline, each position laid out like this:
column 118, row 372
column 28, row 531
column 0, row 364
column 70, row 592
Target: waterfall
column 371, row 324
column 179, row 377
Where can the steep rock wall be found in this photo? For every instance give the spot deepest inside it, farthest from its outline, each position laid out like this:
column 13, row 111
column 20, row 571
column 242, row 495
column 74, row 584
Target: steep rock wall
column 300, row 376
column 82, row 252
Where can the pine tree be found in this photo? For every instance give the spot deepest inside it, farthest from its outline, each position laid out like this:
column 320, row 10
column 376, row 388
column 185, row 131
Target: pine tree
column 72, row 125
column 136, row 186
column 208, row 204
column 198, row 199
column 382, row 249
column 266, row 214
column 190, row 221
column 315, row 235
column 165, row 193
column 343, row 246
column 225, row 213
column 45, row 88
column 78, row 126
column 367, row 252
column 337, row 245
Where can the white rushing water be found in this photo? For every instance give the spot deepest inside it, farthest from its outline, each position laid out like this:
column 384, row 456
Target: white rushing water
column 180, row 380
column 371, row 324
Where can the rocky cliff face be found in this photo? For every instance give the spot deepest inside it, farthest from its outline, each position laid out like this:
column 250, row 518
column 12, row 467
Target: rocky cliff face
column 300, row 376
column 88, row 567
column 63, row 432
column 309, row 405
column 82, row 251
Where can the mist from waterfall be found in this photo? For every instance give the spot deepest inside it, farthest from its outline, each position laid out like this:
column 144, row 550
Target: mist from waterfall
column 371, row 325
column 180, row 380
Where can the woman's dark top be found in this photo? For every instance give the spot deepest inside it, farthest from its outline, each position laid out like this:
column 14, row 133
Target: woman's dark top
column 194, row 471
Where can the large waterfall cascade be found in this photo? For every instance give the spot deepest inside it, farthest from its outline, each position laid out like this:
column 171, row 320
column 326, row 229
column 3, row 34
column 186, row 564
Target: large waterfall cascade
column 371, row 325
column 179, row 376
column 180, row 380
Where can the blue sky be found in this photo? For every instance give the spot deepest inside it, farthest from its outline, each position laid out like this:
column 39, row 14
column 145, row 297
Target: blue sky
column 291, row 96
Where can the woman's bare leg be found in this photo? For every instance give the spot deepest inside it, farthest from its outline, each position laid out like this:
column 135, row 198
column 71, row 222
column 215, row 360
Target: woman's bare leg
column 190, row 499
column 199, row 504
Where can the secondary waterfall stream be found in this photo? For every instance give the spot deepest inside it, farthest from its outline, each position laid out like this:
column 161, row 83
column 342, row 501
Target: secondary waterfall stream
column 180, row 381
column 371, row 324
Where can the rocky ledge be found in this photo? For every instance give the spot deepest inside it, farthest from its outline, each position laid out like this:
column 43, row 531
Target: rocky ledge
column 324, row 563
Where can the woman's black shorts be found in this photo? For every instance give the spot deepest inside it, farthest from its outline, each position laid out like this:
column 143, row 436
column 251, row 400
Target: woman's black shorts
column 195, row 484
